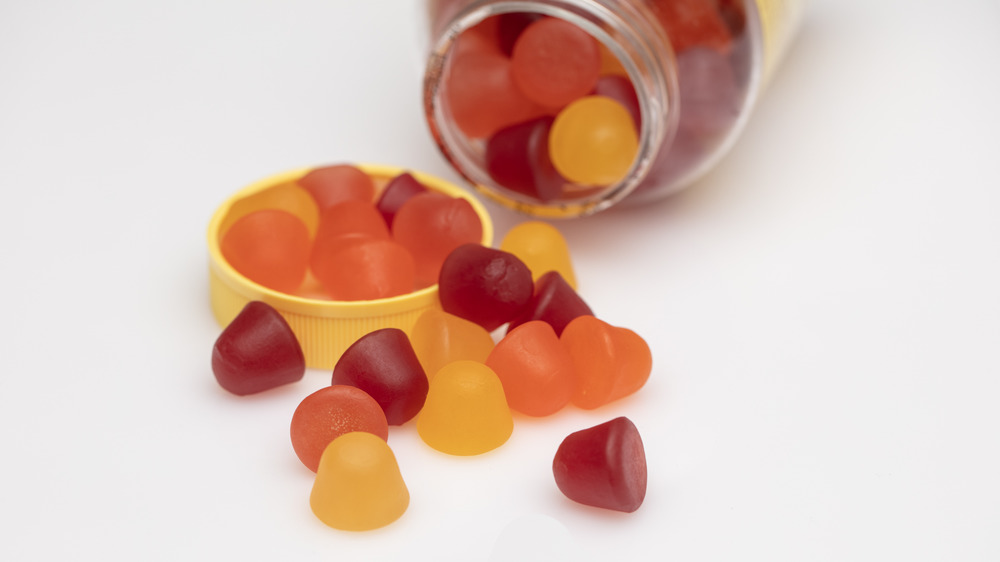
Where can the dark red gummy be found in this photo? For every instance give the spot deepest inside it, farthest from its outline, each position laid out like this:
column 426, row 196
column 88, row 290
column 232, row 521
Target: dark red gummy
column 396, row 192
column 517, row 157
column 483, row 285
column 554, row 301
column 257, row 351
column 603, row 466
column 383, row 364
column 620, row 89
column 510, row 26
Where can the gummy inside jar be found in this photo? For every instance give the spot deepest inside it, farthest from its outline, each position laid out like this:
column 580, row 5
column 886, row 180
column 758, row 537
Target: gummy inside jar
column 546, row 113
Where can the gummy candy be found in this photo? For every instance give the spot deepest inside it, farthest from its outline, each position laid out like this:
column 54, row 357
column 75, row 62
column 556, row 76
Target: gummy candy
column 358, row 485
column 542, row 248
column 593, row 141
column 535, row 369
column 257, row 351
column 481, row 95
column 609, row 362
column 286, row 197
column 330, row 185
column 487, row 286
column 351, row 218
column 439, row 338
column 397, row 192
column 517, row 157
column 383, row 364
column 466, row 412
column 269, row 247
column 367, row 269
column 620, row 89
column 329, row 413
column 555, row 62
column 553, row 302
column 691, row 23
column 509, row 27
column 603, row 466
column 708, row 91
column 430, row 226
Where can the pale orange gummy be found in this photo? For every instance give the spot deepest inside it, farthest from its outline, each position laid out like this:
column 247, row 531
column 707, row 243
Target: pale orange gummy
column 542, row 248
column 358, row 486
column 466, row 412
column 439, row 338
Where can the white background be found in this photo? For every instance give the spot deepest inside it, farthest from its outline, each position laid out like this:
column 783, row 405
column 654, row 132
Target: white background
column 823, row 308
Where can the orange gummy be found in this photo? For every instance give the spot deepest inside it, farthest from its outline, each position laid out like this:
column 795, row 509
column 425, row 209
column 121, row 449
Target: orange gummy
column 466, row 412
column 609, row 362
column 330, row 185
column 329, row 413
column 431, row 225
column 358, row 485
column 542, row 248
column 270, row 247
column 366, row 269
column 593, row 141
column 535, row 369
column 480, row 93
column 439, row 338
column 554, row 62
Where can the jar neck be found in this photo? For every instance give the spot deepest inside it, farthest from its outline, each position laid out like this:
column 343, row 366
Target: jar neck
column 629, row 32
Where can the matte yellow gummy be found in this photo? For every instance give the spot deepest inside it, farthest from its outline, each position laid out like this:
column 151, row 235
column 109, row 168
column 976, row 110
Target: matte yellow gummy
column 593, row 141
column 439, row 338
column 542, row 248
column 466, row 411
column 286, row 197
column 358, row 486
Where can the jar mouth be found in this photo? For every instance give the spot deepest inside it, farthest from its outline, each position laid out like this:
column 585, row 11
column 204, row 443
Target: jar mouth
column 625, row 33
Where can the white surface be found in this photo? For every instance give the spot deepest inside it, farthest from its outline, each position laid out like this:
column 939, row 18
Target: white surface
column 823, row 308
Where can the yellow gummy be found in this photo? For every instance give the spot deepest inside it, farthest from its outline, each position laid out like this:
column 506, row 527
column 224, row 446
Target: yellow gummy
column 358, row 486
column 542, row 248
column 439, row 338
column 593, row 141
column 286, row 197
column 466, row 412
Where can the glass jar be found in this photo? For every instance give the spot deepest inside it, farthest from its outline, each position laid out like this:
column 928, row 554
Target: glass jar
column 685, row 72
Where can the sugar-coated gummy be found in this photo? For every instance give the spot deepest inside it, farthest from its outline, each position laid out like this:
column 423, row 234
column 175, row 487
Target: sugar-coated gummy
column 603, row 466
column 257, row 351
column 329, row 413
column 358, row 484
column 383, row 364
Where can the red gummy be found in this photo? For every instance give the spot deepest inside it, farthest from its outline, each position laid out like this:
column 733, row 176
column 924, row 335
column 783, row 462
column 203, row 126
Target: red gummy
column 603, row 466
column 269, row 247
column 555, row 302
column 509, row 27
column 430, row 226
column 517, row 157
column 366, row 269
column 555, row 62
column 257, row 351
column 329, row 413
column 330, row 185
column 398, row 191
column 620, row 89
column 383, row 364
column 487, row 286
column 691, row 23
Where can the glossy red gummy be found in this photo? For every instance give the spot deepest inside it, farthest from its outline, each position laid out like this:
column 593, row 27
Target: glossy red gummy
column 517, row 157
column 487, row 286
column 383, row 364
column 257, row 351
column 603, row 466
column 553, row 302
column 398, row 191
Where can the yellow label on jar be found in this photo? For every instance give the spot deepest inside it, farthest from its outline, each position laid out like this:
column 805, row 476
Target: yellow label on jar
column 778, row 21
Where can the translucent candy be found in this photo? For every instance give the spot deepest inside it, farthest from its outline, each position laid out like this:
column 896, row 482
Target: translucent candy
column 593, row 141
column 269, row 247
column 609, row 362
column 383, row 364
column 329, row 413
column 330, row 185
column 553, row 302
column 620, row 89
column 487, row 286
column 257, row 351
column 430, row 226
column 603, row 466
column 439, row 338
column 691, row 23
column 554, row 62
column 398, row 191
column 466, row 412
column 542, row 248
column 358, row 485
column 480, row 93
column 535, row 369
column 367, row 269
column 289, row 197
column 517, row 157
column 509, row 27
